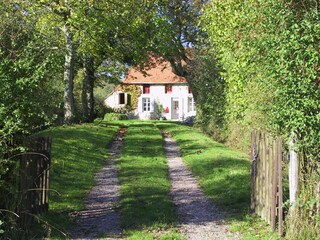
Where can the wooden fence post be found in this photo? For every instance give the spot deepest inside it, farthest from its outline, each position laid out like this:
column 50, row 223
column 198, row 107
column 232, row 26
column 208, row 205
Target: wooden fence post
column 318, row 195
column 293, row 170
column 34, row 178
column 266, row 178
column 254, row 160
column 275, row 169
column 280, row 188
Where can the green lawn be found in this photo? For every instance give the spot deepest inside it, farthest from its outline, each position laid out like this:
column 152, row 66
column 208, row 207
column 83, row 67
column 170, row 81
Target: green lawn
column 223, row 173
column 147, row 211
column 81, row 150
column 145, row 205
column 77, row 153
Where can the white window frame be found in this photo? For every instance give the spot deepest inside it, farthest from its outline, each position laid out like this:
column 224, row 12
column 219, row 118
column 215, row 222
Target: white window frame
column 146, row 104
column 191, row 104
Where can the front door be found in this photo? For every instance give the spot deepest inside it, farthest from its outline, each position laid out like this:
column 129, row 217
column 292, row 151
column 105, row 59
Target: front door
column 175, row 108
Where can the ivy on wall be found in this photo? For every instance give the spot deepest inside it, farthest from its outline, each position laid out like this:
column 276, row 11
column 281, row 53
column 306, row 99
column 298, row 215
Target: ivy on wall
column 133, row 90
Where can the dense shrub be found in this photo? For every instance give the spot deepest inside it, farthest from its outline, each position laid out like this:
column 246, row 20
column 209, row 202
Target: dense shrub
column 270, row 55
column 209, row 86
column 115, row 116
column 100, row 109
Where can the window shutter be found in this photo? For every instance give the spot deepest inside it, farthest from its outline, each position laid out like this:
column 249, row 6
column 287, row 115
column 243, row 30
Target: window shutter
column 146, row 89
column 140, row 105
column 152, row 105
column 129, row 99
column 168, row 88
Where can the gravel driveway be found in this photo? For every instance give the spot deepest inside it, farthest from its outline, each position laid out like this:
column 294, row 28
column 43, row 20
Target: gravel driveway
column 199, row 218
column 100, row 219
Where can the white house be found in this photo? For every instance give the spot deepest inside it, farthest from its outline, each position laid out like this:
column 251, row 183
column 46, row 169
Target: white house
column 161, row 93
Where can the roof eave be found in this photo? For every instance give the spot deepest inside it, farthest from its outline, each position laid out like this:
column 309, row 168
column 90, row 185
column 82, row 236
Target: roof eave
column 155, row 83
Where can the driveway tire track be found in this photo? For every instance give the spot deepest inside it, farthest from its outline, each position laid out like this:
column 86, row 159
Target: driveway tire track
column 199, row 218
column 100, row 218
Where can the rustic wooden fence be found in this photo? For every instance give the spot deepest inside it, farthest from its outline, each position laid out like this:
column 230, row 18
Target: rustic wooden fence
column 34, row 177
column 266, row 178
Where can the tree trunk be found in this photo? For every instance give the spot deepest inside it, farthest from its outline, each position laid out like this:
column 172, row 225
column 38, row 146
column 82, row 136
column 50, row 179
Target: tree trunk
column 89, row 79
column 84, row 98
column 91, row 99
column 293, row 170
column 69, row 108
column 318, row 195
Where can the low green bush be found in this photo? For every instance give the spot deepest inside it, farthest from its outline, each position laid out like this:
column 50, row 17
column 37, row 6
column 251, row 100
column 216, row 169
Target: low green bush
column 115, row 116
column 100, row 109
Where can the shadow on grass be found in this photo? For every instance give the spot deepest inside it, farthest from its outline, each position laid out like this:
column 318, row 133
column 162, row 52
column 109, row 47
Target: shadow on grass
column 226, row 180
column 120, row 123
column 145, row 202
column 223, row 174
column 79, row 152
column 147, row 206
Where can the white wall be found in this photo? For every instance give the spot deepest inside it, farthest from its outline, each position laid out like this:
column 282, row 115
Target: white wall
column 158, row 95
column 112, row 100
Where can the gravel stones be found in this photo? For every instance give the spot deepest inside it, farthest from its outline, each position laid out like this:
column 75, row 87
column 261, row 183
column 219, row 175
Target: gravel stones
column 199, row 218
column 100, row 219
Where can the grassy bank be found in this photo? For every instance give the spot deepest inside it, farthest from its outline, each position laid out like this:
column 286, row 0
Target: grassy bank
column 77, row 153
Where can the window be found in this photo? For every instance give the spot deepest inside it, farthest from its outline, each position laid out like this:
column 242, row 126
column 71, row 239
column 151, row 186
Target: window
column 121, row 98
column 168, row 89
column 146, row 104
column 146, row 89
column 191, row 104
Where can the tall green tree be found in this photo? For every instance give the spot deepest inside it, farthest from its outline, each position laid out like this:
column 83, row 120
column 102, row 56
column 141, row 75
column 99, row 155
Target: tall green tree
column 55, row 15
column 117, row 37
column 179, row 32
column 210, row 85
column 118, row 31
column 27, row 95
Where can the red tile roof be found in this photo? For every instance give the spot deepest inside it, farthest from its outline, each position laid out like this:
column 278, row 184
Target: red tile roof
column 158, row 71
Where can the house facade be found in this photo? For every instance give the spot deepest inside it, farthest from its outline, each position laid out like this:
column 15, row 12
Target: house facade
column 162, row 94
